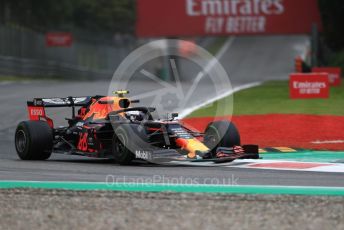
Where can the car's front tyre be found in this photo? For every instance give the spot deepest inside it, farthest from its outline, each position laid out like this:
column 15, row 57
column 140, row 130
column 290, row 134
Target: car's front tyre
column 120, row 143
column 221, row 134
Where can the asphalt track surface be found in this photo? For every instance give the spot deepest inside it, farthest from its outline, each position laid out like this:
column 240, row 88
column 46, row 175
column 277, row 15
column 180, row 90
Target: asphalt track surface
column 247, row 60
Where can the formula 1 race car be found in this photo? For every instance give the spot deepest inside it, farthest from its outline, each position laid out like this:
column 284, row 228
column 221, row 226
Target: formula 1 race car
column 108, row 127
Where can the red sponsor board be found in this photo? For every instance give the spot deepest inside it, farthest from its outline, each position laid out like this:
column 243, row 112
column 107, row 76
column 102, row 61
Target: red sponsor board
column 60, row 39
column 333, row 72
column 225, row 17
column 311, row 85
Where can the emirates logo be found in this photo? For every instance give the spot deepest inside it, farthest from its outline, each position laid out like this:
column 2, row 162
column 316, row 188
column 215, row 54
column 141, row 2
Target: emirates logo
column 234, row 7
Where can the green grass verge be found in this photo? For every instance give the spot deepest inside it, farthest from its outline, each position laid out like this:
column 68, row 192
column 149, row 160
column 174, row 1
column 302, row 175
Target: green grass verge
column 16, row 78
column 273, row 98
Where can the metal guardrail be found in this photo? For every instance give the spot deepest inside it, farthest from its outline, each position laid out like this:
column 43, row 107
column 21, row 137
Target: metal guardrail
column 24, row 52
column 13, row 66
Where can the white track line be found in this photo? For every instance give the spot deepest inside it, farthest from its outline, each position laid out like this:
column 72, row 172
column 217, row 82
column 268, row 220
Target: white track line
column 317, row 166
column 328, row 142
column 252, row 164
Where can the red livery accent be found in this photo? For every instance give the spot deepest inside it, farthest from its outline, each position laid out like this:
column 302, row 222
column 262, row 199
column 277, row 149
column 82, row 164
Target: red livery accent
column 181, row 143
column 82, row 145
column 306, row 86
column 154, row 129
column 36, row 112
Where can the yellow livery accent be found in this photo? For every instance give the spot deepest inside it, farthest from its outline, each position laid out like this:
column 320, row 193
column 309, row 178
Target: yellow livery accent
column 285, row 149
column 193, row 145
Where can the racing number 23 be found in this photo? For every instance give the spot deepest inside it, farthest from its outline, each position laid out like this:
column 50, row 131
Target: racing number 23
column 82, row 142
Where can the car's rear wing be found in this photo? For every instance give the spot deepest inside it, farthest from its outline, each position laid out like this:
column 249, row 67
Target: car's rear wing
column 36, row 107
column 60, row 102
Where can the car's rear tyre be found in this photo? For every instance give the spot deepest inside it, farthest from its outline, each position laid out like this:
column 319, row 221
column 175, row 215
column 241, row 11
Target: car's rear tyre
column 34, row 140
column 127, row 139
column 221, row 134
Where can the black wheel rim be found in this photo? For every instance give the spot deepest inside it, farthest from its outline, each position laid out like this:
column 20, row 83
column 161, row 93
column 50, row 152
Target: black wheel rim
column 21, row 141
column 211, row 139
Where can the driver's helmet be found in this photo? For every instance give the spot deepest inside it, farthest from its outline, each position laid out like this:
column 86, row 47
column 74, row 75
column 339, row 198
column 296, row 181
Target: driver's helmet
column 135, row 115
